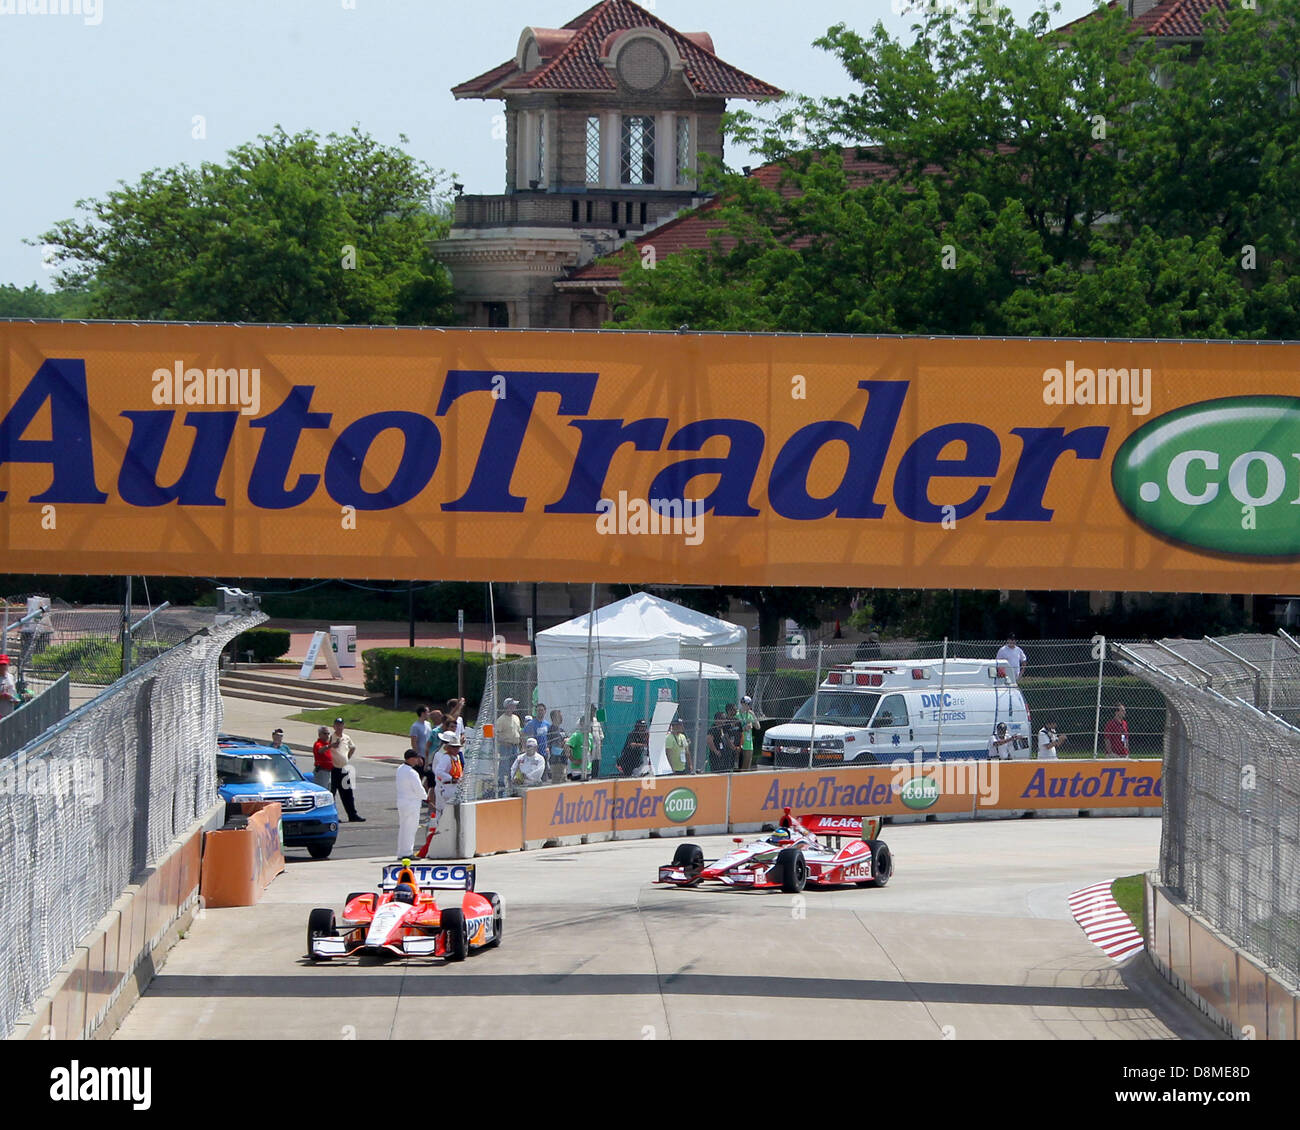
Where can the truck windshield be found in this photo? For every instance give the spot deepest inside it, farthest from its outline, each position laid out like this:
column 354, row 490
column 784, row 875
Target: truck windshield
column 839, row 708
column 272, row 769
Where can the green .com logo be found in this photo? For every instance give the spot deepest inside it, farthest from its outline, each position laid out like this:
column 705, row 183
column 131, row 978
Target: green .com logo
column 1223, row 475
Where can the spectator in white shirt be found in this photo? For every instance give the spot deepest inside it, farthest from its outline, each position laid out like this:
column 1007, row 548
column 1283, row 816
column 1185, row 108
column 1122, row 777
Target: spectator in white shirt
column 411, row 794
column 1048, row 742
column 1011, row 656
column 529, row 767
column 1001, row 744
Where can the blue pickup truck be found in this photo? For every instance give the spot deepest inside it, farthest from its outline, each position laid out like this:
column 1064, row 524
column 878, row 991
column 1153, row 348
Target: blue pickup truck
column 246, row 771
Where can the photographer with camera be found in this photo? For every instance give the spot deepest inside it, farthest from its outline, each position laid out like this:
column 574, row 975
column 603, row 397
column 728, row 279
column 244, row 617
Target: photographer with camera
column 1049, row 741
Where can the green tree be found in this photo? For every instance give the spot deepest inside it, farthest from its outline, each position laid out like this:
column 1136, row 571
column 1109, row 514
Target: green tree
column 994, row 179
column 32, row 302
column 289, row 229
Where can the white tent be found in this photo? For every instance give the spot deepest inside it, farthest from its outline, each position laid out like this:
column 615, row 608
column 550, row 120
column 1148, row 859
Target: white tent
column 639, row 627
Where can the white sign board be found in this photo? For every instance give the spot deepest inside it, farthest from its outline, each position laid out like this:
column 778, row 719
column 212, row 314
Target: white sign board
column 663, row 715
column 313, row 655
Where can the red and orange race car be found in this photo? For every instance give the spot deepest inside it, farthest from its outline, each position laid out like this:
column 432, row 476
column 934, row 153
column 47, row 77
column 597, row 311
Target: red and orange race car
column 792, row 857
column 403, row 919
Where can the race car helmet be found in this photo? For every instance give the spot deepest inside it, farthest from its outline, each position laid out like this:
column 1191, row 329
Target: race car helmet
column 404, row 892
column 780, row 836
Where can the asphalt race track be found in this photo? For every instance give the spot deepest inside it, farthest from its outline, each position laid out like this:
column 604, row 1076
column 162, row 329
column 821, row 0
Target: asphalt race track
column 971, row 940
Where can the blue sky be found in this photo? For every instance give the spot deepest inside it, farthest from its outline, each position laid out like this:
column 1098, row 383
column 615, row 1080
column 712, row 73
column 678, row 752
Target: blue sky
column 117, row 87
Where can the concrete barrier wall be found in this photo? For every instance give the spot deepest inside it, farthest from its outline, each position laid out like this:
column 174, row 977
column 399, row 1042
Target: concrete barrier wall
column 116, row 961
column 1229, row 986
column 593, row 811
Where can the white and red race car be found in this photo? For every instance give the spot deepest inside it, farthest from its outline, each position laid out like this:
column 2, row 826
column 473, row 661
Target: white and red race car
column 403, row 919
column 792, row 857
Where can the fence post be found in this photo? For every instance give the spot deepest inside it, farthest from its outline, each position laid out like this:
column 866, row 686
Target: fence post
column 817, row 683
column 397, row 677
column 943, row 680
column 1096, row 720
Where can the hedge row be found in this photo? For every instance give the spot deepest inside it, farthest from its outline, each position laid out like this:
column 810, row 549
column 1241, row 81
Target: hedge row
column 266, row 644
column 427, row 673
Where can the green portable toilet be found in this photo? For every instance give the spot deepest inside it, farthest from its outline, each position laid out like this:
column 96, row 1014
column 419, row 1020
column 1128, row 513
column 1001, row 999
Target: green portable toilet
column 703, row 689
column 629, row 692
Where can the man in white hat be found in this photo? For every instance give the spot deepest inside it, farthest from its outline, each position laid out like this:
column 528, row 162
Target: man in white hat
column 444, row 783
column 529, row 767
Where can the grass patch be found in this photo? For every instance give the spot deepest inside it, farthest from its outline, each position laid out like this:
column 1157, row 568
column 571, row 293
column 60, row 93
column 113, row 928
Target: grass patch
column 1129, row 893
column 369, row 716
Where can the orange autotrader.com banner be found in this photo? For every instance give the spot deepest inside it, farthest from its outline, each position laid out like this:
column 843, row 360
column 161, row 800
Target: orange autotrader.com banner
column 764, row 460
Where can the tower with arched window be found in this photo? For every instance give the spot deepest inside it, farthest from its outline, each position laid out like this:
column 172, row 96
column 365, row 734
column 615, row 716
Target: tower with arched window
column 606, row 120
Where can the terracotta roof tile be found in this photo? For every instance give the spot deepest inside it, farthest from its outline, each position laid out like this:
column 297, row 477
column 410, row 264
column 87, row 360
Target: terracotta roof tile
column 1169, row 19
column 691, row 231
column 576, row 64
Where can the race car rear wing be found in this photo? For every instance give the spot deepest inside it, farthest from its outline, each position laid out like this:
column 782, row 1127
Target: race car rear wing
column 859, row 827
column 431, row 876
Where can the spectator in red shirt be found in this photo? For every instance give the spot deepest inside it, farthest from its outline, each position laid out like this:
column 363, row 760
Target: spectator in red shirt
column 1116, row 731
column 320, row 751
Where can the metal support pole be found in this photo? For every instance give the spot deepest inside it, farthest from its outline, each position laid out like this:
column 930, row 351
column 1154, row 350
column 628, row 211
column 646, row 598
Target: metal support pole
column 410, row 608
column 943, row 680
column 1096, row 721
column 817, row 685
column 126, row 627
column 586, row 682
column 397, row 678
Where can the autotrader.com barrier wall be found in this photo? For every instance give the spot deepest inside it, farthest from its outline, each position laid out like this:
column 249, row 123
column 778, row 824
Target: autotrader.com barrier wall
column 592, row 811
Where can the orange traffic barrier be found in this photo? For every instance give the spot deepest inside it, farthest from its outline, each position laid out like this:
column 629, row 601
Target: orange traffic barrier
column 239, row 864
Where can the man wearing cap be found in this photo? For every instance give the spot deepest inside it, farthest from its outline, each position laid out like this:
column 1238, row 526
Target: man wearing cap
column 322, row 757
column 277, row 740
column 411, row 793
column 8, row 689
column 748, row 724
column 342, row 750
column 530, row 766
column 1002, row 744
column 508, row 737
column 677, row 747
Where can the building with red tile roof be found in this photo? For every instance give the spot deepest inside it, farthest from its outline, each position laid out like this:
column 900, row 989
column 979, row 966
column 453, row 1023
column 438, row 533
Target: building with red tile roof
column 1169, row 21
column 606, row 121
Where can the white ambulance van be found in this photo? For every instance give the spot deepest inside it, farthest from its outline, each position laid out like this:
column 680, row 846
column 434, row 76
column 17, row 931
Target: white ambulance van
column 879, row 711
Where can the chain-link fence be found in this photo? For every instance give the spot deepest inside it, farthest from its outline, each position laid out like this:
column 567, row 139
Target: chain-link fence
column 1075, row 685
column 45, row 639
column 1231, row 837
column 90, row 805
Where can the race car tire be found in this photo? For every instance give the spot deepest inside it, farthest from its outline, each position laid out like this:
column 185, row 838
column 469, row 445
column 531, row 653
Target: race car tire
column 498, row 919
column 882, row 863
column 457, row 933
column 794, row 870
column 689, row 857
column 320, row 851
column 320, row 924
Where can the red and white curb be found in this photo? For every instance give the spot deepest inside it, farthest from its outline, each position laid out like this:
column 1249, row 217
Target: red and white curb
column 1104, row 922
